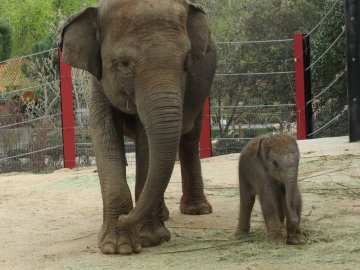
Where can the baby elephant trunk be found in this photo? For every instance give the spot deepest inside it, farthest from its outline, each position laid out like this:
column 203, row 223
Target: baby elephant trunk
column 292, row 199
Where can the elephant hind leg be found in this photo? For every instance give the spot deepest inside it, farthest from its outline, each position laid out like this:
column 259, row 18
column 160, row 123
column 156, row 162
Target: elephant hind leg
column 193, row 201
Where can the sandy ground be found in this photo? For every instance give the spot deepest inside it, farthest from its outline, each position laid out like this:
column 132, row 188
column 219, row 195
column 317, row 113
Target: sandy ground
column 51, row 221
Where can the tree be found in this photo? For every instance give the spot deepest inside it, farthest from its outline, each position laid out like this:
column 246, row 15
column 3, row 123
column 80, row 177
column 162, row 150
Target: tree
column 34, row 20
column 255, row 20
column 6, row 42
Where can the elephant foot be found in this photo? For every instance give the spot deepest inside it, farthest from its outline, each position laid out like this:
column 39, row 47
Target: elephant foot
column 195, row 207
column 276, row 238
column 242, row 233
column 112, row 240
column 153, row 233
column 297, row 239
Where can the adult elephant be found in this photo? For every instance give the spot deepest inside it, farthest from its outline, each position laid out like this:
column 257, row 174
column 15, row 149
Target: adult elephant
column 153, row 62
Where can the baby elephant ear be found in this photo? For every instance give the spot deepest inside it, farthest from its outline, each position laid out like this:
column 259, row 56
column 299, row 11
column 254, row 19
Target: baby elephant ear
column 263, row 152
column 79, row 42
column 195, row 6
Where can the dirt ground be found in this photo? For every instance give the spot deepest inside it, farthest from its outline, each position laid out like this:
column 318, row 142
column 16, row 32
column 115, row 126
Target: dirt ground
column 51, row 221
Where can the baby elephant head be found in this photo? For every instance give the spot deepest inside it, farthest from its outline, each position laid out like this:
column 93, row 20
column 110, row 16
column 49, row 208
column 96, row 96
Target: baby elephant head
column 279, row 155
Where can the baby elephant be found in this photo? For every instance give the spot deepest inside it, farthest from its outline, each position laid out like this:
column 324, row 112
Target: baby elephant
column 268, row 167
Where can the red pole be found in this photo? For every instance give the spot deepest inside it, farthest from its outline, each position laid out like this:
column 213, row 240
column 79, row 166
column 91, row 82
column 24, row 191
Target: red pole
column 300, row 86
column 67, row 114
column 205, row 136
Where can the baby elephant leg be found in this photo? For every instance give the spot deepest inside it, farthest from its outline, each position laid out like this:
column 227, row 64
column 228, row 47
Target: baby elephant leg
column 270, row 208
column 247, row 199
column 294, row 234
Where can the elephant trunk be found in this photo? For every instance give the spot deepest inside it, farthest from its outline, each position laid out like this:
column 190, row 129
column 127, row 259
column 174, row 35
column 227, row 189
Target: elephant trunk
column 160, row 110
column 291, row 191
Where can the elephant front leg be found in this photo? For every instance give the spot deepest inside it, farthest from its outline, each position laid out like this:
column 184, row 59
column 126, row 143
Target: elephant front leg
column 270, row 206
column 152, row 230
column 111, row 238
column 193, row 200
column 247, row 200
column 108, row 144
column 294, row 234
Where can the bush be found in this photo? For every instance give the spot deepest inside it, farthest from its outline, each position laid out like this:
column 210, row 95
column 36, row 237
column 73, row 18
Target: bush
column 6, row 41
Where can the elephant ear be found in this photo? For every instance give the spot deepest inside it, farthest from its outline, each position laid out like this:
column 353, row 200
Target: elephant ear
column 198, row 30
column 195, row 6
column 263, row 152
column 79, row 42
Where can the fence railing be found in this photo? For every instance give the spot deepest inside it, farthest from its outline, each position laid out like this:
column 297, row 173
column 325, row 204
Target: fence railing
column 30, row 114
column 44, row 113
column 233, row 126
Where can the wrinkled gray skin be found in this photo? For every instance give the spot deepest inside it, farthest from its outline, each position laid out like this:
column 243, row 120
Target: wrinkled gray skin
column 268, row 167
column 153, row 63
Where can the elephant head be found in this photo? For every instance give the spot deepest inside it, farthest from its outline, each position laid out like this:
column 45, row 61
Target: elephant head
column 280, row 158
column 139, row 52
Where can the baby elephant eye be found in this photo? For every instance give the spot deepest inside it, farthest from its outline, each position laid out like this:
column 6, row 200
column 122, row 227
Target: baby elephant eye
column 276, row 164
column 125, row 63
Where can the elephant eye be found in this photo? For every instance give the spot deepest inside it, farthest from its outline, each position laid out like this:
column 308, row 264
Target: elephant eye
column 125, row 63
column 123, row 67
column 276, row 164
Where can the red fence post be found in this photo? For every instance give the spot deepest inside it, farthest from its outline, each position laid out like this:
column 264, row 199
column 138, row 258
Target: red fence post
column 205, row 135
column 300, row 86
column 304, row 113
column 67, row 114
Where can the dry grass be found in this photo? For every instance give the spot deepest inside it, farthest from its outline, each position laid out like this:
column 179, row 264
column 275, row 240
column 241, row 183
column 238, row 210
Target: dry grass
column 66, row 238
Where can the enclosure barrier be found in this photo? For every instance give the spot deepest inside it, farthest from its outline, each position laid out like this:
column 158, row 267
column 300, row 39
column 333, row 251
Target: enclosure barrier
column 67, row 106
column 303, row 86
column 73, row 110
column 353, row 64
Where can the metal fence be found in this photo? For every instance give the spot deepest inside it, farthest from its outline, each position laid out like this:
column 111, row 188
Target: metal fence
column 30, row 116
column 234, row 126
column 253, row 93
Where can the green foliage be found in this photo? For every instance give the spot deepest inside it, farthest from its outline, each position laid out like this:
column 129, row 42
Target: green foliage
column 36, row 64
column 69, row 7
column 31, row 20
column 35, row 20
column 6, row 42
column 43, row 45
